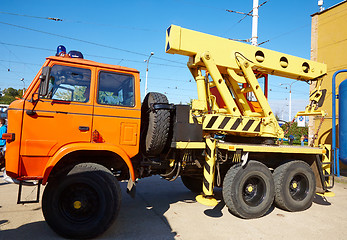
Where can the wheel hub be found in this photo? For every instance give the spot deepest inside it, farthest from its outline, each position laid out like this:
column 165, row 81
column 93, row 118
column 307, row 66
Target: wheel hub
column 254, row 191
column 298, row 187
column 294, row 185
column 250, row 188
column 77, row 204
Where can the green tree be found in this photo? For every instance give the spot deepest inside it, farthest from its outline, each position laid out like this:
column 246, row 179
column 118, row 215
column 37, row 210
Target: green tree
column 10, row 94
column 294, row 130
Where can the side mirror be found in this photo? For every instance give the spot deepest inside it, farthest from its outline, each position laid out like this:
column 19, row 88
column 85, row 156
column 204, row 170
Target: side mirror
column 44, row 77
column 34, row 98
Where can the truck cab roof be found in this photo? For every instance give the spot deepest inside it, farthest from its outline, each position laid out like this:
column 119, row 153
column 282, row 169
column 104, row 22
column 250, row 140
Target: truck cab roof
column 91, row 63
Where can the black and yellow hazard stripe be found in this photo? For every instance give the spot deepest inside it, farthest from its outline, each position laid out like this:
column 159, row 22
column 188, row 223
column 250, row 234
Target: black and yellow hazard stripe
column 209, row 168
column 237, row 156
column 231, row 124
column 327, row 166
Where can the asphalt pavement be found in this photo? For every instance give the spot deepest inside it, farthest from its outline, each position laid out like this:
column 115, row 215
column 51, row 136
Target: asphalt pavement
column 167, row 210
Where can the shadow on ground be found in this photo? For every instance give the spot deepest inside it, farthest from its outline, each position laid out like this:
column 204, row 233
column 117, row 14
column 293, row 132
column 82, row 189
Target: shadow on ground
column 139, row 218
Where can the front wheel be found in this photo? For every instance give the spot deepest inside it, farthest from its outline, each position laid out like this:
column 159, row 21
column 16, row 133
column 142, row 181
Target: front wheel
column 248, row 191
column 82, row 204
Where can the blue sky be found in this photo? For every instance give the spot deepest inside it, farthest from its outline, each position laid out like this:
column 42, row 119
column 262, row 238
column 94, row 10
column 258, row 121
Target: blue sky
column 126, row 32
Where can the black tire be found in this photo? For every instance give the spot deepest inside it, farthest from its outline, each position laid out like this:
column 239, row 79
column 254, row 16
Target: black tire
column 193, row 184
column 295, row 186
column 82, row 204
column 155, row 125
column 248, row 191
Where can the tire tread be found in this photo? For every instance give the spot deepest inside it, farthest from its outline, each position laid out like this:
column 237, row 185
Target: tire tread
column 155, row 139
column 279, row 179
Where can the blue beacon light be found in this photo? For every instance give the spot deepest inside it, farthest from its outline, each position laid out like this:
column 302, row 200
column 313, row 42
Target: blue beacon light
column 60, row 50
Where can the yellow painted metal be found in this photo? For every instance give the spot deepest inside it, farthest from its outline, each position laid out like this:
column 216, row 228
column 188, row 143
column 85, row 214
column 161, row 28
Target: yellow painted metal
column 326, row 194
column 77, row 204
column 310, row 112
column 230, row 63
column 188, row 42
column 199, row 105
column 220, row 84
column 270, row 125
column 211, row 202
column 201, row 87
column 237, row 78
column 172, row 162
column 209, row 168
column 270, row 148
column 237, row 157
column 312, row 108
column 239, row 98
column 326, row 164
column 209, row 171
column 226, row 123
column 188, row 145
column 258, row 148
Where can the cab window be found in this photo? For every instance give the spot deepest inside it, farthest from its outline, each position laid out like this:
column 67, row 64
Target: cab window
column 116, row 89
column 69, row 84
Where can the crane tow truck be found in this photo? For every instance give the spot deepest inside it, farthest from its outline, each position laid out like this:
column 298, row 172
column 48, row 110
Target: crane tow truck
column 80, row 128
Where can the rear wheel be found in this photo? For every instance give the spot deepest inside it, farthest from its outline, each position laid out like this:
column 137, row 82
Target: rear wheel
column 295, row 186
column 193, row 184
column 248, row 191
column 82, row 204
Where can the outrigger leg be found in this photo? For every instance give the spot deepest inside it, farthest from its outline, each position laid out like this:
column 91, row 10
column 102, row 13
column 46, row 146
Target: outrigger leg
column 208, row 183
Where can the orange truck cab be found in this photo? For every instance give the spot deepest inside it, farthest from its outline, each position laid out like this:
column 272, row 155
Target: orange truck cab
column 80, row 108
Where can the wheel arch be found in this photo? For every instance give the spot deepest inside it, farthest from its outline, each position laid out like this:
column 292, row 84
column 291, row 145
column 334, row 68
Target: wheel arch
column 109, row 156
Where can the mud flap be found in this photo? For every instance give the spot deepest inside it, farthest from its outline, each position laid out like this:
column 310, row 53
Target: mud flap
column 131, row 188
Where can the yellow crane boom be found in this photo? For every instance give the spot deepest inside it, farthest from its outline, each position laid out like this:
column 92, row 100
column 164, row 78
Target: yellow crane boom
column 233, row 66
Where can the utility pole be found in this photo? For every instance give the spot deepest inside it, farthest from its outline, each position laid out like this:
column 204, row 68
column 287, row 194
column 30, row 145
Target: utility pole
column 152, row 53
column 22, row 79
column 255, row 17
column 290, row 98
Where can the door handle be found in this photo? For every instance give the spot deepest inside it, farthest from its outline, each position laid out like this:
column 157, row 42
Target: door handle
column 83, row 128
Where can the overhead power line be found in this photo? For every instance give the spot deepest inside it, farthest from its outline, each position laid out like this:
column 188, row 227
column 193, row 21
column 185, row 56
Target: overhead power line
column 246, row 14
column 80, row 22
column 23, row 15
column 88, row 42
column 91, row 55
column 232, row 11
column 10, row 61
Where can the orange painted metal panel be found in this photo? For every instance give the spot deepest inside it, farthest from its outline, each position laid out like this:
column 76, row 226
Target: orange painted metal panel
column 112, row 121
column 129, row 134
column 88, row 147
column 33, row 166
column 14, row 114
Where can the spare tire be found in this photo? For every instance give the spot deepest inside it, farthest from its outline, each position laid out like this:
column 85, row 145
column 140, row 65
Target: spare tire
column 155, row 125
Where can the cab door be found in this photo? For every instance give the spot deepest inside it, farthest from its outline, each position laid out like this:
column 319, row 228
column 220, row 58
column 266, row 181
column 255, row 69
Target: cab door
column 117, row 110
column 62, row 117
